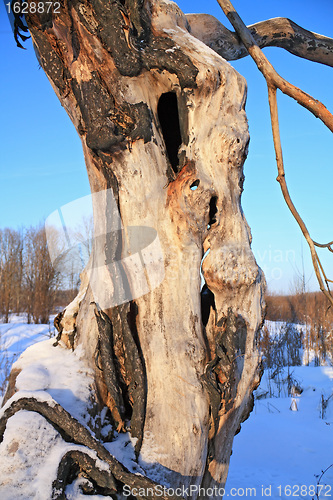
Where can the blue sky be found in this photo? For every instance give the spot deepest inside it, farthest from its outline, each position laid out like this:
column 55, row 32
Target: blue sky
column 42, row 166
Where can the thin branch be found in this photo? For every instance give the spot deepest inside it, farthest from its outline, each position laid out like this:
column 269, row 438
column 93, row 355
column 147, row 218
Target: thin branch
column 274, row 82
column 284, row 188
column 278, row 32
column 325, row 245
column 271, row 76
column 320, row 478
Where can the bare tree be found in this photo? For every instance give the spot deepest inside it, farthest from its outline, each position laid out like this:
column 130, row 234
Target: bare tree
column 40, row 277
column 320, row 327
column 11, row 269
column 84, row 234
column 164, row 132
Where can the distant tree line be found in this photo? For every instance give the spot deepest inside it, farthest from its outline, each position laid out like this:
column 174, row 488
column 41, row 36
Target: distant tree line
column 315, row 335
column 28, row 281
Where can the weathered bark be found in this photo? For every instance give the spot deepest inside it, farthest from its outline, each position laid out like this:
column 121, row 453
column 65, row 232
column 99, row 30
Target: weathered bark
column 164, row 133
column 277, row 32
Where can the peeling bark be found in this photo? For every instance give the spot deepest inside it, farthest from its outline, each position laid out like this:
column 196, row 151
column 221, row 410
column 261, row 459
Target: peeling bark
column 105, row 342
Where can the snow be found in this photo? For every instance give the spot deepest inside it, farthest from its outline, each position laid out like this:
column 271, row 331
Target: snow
column 39, row 396
column 61, row 372
column 18, row 335
column 73, row 492
column 26, row 472
column 35, row 378
column 43, row 367
column 122, row 448
column 277, row 448
column 46, row 373
column 15, row 337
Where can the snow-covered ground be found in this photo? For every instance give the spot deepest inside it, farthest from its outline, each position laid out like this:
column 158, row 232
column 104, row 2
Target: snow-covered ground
column 15, row 337
column 279, row 453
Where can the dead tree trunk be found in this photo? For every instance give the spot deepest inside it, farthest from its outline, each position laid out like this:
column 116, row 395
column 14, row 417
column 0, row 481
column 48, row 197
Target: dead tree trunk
column 164, row 133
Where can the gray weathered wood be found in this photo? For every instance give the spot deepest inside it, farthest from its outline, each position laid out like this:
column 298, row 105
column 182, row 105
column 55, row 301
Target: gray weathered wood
column 164, row 131
column 278, row 32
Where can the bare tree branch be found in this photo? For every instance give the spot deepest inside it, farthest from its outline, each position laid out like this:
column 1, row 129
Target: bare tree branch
column 274, row 82
column 278, row 32
column 284, row 188
column 325, row 245
column 320, row 478
column 271, row 76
